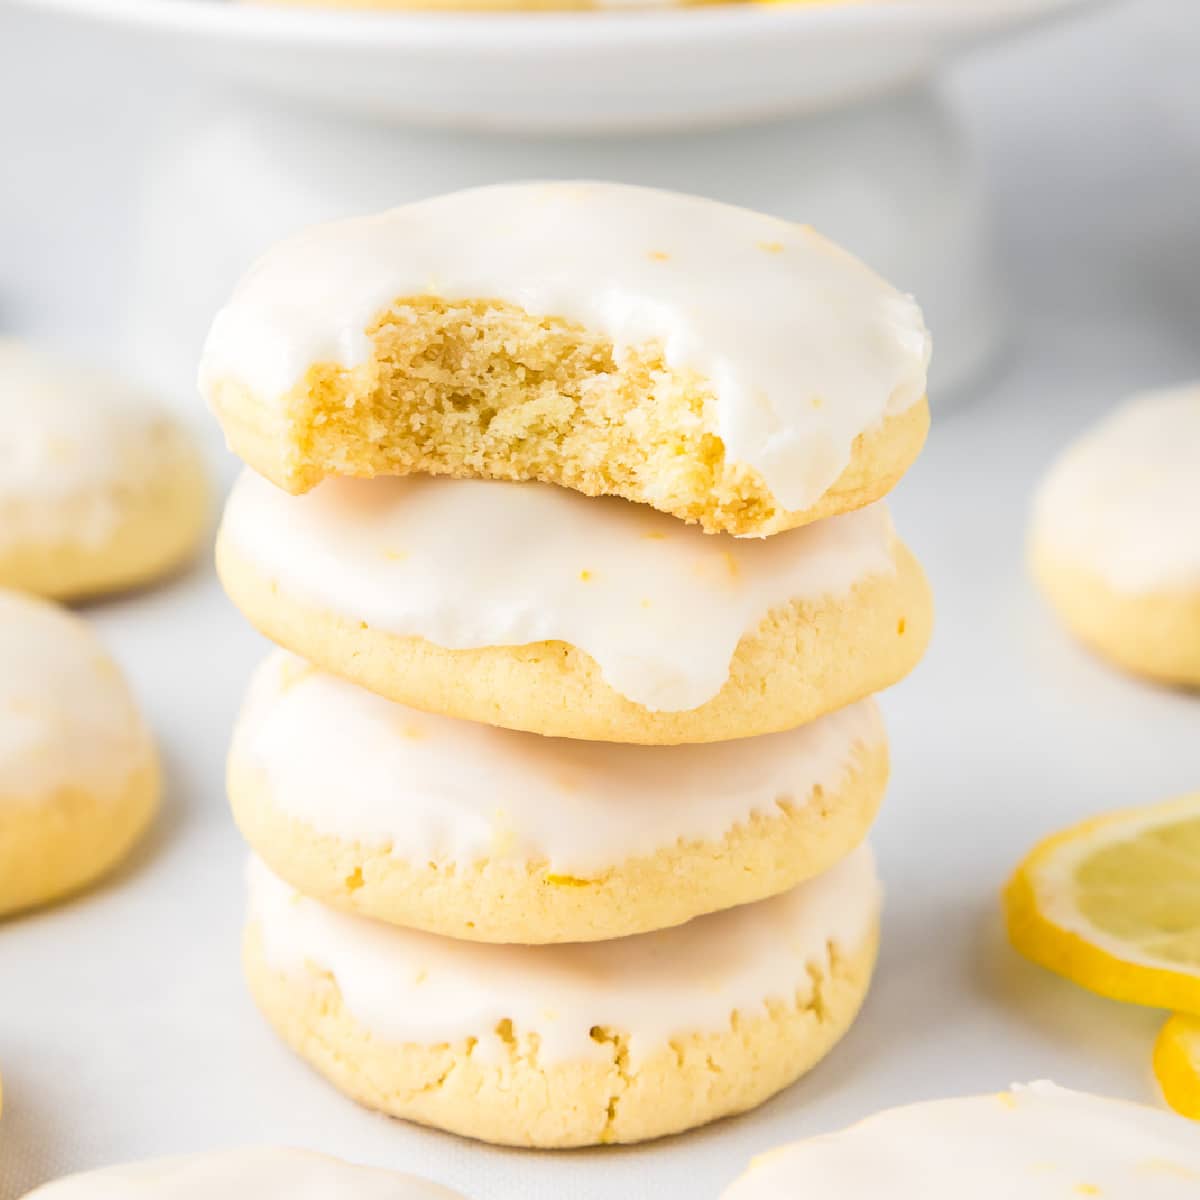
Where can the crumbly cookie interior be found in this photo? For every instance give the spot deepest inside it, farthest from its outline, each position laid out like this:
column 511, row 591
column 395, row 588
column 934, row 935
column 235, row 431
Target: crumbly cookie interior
column 481, row 387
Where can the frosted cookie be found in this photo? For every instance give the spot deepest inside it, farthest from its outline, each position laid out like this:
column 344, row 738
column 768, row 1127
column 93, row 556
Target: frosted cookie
column 1037, row 1142
column 483, row 833
column 78, row 772
column 1115, row 543
column 500, row 5
column 721, row 365
column 568, row 1045
column 256, row 1174
column 531, row 607
column 100, row 489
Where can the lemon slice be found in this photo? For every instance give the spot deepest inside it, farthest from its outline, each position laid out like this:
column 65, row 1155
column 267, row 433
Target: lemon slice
column 1177, row 1064
column 1114, row 905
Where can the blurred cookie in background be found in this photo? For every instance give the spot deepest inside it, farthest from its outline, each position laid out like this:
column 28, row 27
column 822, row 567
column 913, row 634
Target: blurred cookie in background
column 79, row 775
column 1115, row 543
column 100, row 488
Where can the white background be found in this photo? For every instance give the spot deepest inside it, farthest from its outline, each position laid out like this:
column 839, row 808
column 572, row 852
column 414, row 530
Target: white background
column 125, row 1029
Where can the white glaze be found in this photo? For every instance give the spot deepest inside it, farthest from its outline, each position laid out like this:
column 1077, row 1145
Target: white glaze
column 1037, row 1142
column 432, row 789
column 265, row 1173
column 659, row 605
column 626, row 4
column 66, row 715
column 74, row 444
column 805, row 347
column 1123, row 502
column 411, row 987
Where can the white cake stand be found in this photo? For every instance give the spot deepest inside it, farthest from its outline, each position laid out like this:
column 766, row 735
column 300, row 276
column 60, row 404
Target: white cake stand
column 820, row 112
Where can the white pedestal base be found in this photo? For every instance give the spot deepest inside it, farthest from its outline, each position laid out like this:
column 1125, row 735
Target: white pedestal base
column 890, row 179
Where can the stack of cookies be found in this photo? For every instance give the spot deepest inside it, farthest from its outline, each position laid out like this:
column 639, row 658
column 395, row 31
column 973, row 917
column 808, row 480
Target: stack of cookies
column 565, row 511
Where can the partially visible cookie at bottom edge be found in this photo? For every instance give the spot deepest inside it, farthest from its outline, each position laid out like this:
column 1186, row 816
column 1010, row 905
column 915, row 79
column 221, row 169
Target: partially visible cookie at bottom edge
column 265, row 1173
column 559, row 1046
column 1035, row 1141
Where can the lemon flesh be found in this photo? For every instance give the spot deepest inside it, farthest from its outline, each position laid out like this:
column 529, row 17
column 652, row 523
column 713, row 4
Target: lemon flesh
column 1114, row 905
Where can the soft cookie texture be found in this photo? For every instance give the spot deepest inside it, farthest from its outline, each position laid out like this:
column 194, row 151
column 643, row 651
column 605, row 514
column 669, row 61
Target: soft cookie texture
column 1036, row 1142
column 570, row 1045
column 1115, row 543
column 531, row 607
column 100, row 489
column 726, row 367
column 265, row 1173
column 79, row 777
column 492, row 835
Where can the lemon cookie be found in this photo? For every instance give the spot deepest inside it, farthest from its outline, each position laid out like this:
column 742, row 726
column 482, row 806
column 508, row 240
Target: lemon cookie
column 531, row 607
column 503, row 5
column 78, row 772
column 568, row 1045
column 1036, row 1142
column 266, row 1173
column 1115, row 543
column 483, row 833
column 721, row 365
column 100, row 489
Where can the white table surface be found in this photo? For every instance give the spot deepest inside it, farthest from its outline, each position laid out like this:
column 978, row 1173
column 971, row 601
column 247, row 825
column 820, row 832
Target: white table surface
column 125, row 1029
